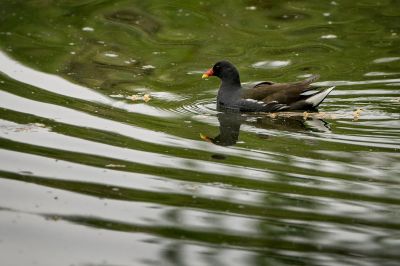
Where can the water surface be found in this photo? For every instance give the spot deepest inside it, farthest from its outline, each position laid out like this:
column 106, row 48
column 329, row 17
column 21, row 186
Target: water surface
column 104, row 118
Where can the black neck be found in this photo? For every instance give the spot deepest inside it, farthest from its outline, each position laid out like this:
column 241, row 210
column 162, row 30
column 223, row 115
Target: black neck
column 233, row 81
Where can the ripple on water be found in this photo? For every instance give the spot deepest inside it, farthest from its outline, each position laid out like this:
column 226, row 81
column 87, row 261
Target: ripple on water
column 86, row 161
column 58, row 85
column 200, row 107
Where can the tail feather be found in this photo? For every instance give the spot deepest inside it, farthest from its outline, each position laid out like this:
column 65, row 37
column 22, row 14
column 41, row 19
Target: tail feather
column 317, row 98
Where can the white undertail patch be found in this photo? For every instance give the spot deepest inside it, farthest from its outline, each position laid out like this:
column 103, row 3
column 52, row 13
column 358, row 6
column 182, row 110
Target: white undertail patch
column 319, row 97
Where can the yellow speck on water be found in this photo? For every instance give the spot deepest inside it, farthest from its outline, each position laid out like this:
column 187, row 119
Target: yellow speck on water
column 134, row 97
column 273, row 115
column 146, row 97
column 357, row 114
column 305, row 115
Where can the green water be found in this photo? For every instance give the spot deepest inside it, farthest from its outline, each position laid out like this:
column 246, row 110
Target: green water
column 89, row 176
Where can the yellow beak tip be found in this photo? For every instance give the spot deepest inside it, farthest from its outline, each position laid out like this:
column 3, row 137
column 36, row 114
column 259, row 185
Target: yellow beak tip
column 204, row 76
column 205, row 138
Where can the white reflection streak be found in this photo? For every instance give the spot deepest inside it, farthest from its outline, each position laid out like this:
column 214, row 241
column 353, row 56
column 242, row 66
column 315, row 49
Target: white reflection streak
column 32, row 198
column 43, row 167
column 72, row 117
column 76, row 118
column 72, row 244
column 45, row 138
column 56, row 84
column 350, row 83
column 48, row 82
column 41, row 80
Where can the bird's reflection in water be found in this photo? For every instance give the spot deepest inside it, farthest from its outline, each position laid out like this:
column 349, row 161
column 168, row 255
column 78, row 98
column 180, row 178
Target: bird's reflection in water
column 229, row 129
column 230, row 123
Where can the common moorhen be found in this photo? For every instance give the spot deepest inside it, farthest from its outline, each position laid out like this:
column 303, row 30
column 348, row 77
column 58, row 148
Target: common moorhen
column 265, row 96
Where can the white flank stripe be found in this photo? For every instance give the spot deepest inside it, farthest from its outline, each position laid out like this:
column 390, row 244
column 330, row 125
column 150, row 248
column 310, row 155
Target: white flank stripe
column 306, row 93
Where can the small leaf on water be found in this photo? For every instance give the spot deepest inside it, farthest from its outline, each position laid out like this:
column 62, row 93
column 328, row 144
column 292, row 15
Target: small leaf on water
column 133, row 97
column 305, row 115
column 146, row 98
column 273, row 115
column 357, row 114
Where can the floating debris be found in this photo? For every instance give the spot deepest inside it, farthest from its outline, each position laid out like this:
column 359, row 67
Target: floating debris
column 146, row 97
column 134, row 97
column 273, row 115
column 357, row 114
column 305, row 115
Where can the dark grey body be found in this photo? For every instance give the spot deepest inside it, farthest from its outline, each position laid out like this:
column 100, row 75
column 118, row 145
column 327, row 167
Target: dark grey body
column 265, row 96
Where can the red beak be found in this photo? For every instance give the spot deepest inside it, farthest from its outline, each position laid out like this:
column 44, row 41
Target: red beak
column 209, row 73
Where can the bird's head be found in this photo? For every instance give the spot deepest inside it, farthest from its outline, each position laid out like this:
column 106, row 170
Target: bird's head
column 225, row 70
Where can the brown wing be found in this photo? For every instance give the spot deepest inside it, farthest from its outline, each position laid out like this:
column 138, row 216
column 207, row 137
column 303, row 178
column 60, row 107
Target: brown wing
column 284, row 93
